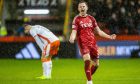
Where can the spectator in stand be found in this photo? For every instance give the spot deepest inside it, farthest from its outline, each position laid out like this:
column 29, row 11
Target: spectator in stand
column 122, row 14
column 113, row 25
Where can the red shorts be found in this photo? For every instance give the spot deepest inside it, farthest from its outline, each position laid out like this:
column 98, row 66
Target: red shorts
column 91, row 49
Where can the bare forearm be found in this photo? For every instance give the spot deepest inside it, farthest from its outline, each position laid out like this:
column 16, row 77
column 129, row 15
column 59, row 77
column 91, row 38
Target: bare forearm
column 73, row 36
column 103, row 34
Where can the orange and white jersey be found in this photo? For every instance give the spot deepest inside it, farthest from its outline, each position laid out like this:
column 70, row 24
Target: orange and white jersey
column 42, row 36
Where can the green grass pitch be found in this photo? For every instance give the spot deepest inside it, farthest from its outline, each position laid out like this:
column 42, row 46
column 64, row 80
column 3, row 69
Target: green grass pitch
column 70, row 71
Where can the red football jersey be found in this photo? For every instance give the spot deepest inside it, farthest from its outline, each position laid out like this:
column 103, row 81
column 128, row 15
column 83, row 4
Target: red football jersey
column 85, row 27
column 85, row 36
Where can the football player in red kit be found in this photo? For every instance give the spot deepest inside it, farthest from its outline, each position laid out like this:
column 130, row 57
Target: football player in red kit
column 82, row 27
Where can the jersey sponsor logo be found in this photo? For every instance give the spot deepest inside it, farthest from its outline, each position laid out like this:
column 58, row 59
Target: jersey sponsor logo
column 85, row 25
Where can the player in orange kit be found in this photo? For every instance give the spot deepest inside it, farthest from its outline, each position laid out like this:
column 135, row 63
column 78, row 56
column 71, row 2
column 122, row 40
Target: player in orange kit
column 48, row 43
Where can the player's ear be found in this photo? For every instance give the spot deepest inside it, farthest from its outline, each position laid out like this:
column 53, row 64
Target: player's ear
column 78, row 9
column 87, row 6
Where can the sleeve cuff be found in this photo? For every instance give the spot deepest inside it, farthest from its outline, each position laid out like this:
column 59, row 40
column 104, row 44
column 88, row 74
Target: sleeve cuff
column 74, row 28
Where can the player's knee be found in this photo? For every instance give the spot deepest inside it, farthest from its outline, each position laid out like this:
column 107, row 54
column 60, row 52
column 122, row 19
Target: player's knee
column 86, row 57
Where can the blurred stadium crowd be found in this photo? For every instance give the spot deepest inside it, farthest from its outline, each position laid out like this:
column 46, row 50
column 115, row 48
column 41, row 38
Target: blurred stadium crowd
column 116, row 16
column 113, row 16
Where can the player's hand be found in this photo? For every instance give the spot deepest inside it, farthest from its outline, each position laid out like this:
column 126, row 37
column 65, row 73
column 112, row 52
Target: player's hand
column 43, row 56
column 113, row 36
column 72, row 36
column 71, row 40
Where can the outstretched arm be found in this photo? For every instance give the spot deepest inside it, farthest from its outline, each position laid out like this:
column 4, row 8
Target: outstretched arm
column 103, row 34
column 73, row 36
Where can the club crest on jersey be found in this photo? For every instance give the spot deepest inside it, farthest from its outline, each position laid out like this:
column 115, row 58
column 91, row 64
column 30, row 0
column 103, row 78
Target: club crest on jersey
column 85, row 25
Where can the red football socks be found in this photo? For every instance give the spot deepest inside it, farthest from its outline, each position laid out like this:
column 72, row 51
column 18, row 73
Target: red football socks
column 93, row 69
column 88, row 70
